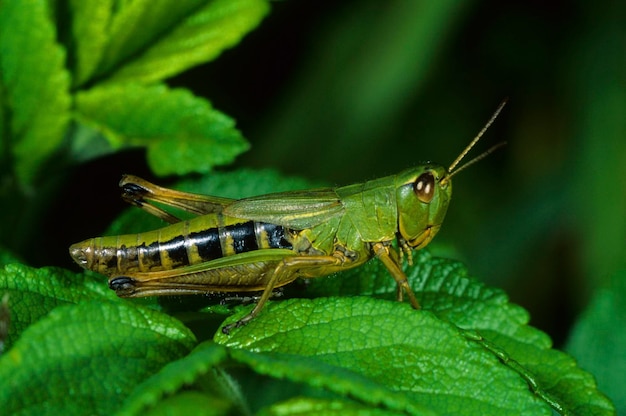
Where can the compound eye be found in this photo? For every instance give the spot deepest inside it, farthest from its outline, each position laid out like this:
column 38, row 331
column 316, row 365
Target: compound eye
column 424, row 187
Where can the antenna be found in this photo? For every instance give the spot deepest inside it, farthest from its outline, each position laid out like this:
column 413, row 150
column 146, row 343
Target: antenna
column 473, row 142
column 477, row 158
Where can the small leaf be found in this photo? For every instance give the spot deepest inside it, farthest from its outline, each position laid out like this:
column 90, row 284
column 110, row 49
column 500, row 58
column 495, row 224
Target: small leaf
column 33, row 293
column 183, row 133
column 424, row 360
column 35, row 83
column 169, row 37
column 81, row 359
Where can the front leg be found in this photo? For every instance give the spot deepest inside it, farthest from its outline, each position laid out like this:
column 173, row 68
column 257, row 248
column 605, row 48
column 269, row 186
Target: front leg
column 384, row 253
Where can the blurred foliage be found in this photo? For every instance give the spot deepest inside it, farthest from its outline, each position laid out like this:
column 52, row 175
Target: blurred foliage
column 339, row 93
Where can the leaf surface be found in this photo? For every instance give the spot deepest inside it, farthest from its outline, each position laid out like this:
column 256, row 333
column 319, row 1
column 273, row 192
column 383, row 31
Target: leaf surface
column 489, row 325
column 182, row 133
column 81, row 359
column 33, row 293
column 35, row 84
column 384, row 353
column 158, row 40
column 90, row 33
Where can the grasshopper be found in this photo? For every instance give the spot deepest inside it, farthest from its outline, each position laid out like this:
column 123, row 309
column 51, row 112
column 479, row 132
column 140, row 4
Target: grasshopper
column 264, row 242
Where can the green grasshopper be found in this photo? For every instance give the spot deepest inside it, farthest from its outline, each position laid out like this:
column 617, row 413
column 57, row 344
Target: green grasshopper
column 264, row 242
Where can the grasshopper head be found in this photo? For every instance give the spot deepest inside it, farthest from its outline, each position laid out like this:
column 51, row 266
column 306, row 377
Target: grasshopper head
column 422, row 194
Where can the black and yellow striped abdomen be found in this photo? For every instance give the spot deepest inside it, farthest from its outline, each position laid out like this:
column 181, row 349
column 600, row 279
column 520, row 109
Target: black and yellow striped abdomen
column 186, row 243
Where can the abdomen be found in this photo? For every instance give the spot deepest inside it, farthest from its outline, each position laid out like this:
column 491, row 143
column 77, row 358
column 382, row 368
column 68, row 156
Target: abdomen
column 186, row 243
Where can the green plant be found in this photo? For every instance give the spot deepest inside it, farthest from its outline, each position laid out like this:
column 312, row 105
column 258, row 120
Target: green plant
column 73, row 347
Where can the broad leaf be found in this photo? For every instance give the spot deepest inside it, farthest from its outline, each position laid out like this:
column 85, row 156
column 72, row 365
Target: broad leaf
column 152, row 41
column 90, row 32
column 482, row 316
column 145, row 41
column 409, row 358
column 33, row 293
column 82, row 359
column 35, row 84
column 183, row 133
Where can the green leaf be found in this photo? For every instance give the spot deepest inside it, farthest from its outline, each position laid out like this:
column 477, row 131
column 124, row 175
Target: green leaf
column 33, row 293
column 503, row 329
column 158, row 40
column 408, row 358
column 598, row 342
column 82, row 359
column 319, row 374
column 35, row 84
column 481, row 314
column 90, row 24
column 183, row 133
column 444, row 287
